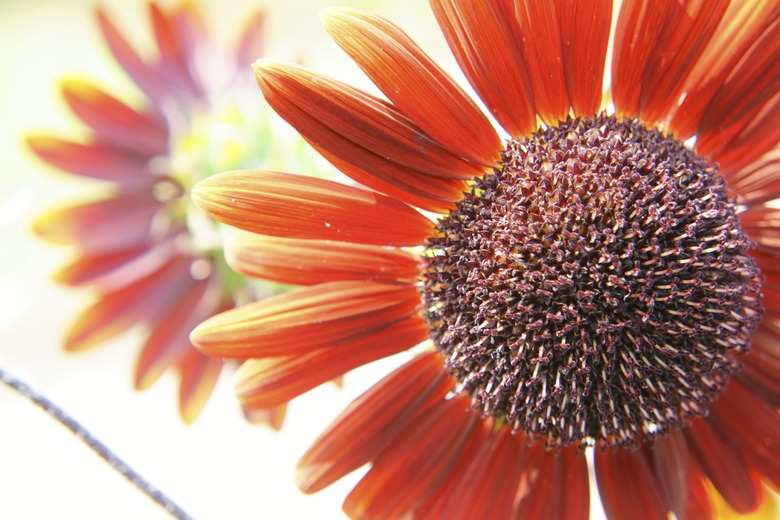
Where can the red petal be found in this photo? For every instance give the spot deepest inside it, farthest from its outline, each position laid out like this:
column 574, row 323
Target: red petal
column 419, row 459
column 684, row 35
column 199, row 375
column 671, row 462
column 107, row 225
column 309, row 262
column 115, row 122
column 754, row 82
column 90, row 267
column 484, row 39
column 559, row 488
column 483, row 484
column 627, row 486
column 639, row 26
column 294, row 206
column 753, row 427
column 759, row 182
column 96, row 160
column 414, row 83
column 301, row 321
column 724, row 466
column 739, row 29
column 268, row 382
column 371, row 421
column 364, row 137
column 539, row 32
column 585, row 30
column 116, row 311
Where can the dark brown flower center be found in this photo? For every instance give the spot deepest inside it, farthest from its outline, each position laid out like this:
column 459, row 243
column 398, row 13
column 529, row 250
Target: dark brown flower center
column 595, row 287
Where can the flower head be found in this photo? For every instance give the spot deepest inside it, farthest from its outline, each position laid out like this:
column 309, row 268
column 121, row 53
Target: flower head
column 148, row 256
column 594, row 275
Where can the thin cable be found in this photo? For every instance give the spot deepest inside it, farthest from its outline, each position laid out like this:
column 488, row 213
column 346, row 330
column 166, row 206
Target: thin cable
column 117, row 464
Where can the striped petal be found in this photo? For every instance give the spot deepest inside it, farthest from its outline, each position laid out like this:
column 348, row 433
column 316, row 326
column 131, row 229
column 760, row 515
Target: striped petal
column 415, row 84
column 538, row 30
column 309, row 262
column 417, row 461
column 740, row 28
column 294, row 206
column 371, row 421
column 114, row 122
column 585, row 28
column 364, row 137
column 484, row 40
column 683, row 37
column 97, row 160
column 627, row 486
column 560, row 486
column 639, row 26
column 269, row 382
column 308, row 319
column 724, row 466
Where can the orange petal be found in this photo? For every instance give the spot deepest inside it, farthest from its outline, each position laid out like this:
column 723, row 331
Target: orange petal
column 370, row 141
column 116, row 311
column 199, row 375
column 724, row 466
column 418, row 460
column 371, row 421
column 627, row 486
column 413, row 82
column 584, row 28
column 485, row 42
column 294, row 206
column 311, row 318
column 115, row 122
column 107, row 225
column 639, row 26
column 268, row 382
column 685, row 33
column 740, row 28
column 308, row 262
column 96, row 160
column 538, row 30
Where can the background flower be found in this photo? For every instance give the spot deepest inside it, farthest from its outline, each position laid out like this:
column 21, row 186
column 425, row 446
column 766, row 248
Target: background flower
column 44, row 472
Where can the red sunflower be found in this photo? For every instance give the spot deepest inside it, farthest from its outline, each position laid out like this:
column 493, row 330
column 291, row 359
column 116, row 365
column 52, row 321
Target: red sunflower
column 582, row 285
column 142, row 250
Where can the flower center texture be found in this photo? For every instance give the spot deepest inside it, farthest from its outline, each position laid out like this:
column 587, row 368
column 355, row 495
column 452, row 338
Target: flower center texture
column 594, row 287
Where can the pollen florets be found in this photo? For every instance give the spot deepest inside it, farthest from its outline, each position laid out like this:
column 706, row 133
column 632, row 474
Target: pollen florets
column 594, row 287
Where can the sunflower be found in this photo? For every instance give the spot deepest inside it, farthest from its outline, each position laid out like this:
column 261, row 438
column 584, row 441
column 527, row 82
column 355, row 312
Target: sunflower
column 147, row 257
column 586, row 277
